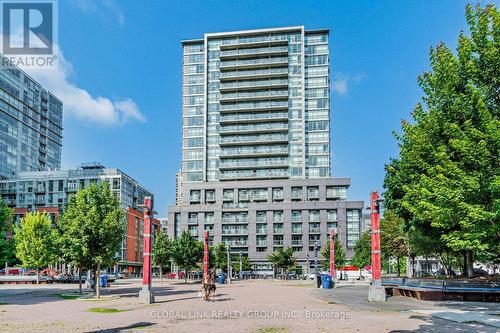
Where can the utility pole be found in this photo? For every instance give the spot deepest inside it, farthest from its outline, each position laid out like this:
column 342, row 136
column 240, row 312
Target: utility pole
column 316, row 257
column 145, row 294
column 376, row 292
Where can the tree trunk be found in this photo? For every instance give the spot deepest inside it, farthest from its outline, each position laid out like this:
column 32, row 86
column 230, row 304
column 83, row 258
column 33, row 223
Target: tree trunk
column 37, row 276
column 469, row 263
column 97, row 278
column 185, row 275
column 80, row 280
column 161, row 274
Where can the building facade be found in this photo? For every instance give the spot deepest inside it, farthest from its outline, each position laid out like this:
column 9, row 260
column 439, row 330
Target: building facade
column 49, row 191
column 30, row 125
column 256, row 145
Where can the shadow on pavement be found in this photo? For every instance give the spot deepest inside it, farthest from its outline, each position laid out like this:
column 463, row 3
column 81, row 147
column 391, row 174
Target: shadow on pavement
column 124, row 328
column 438, row 325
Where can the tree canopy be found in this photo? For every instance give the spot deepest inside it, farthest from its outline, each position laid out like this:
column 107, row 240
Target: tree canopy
column 35, row 241
column 283, row 259
column 7, row 254
column 187, row 252
column 445, row 183
column 339, row 254
column 362, row 251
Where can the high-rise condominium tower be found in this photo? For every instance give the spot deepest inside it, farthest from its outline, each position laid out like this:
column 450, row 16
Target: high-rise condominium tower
column 256, row 145
column 30, row 125
column 256, row 105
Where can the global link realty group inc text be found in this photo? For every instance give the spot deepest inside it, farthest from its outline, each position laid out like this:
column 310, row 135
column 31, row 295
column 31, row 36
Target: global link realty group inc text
column 251, row 314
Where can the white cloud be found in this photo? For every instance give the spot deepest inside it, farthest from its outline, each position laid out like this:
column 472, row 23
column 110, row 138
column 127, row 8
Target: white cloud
column 100, row 7
column 342, row 81
column 80, row 103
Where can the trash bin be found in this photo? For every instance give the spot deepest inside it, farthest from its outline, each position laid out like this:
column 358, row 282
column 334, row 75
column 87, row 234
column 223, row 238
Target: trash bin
column 327, row 281
column 103, row 281
column 221, row 279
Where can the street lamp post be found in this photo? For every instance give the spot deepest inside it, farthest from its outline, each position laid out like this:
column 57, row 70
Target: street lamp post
column 228, row 264
column 145, row 294
column 332, row 253
column 241, row 265
column 316, row 257
column 205, row 255
column 376, row 293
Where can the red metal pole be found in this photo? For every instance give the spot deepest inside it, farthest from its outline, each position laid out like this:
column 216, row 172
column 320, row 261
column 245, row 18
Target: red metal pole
column 146, row 295
column 146, row 265
column 332, row 253
column 375, row 237
column 205, row 255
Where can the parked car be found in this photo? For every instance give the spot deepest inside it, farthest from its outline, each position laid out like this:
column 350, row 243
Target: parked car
column 119, row 276
column 312, row 276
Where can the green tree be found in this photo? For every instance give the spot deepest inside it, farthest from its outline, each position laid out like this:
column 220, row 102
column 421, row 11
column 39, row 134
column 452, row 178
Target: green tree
column 339, row 254
column 35, row 242
column 218, row 256
column 393, row 238
column 362, row 251
column 161, row 252
column 445, row 182
column 283, row 259
column 245, row 264
column 187, row 252
column 92, row 229
column 7, row 253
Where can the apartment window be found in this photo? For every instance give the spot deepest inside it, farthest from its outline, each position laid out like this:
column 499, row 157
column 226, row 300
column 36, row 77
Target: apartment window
column 352, row 226
column 193, row 218
column 296, row 193
column 261, row 216
column 277, row 194
column 194, row 196
column 258, row 194
column 296, row 228
column 193, row 230
column 296, row 216
column 314, row 228
column 209, row 217
column 261, row 228
column 243, row 195
column 313, row 193
column 331, row 215
column 209, row 196
column 278, row 228
column 228, row 195
column 336, row 192
column 314, row 216
column 330, row 226
column 277, row 216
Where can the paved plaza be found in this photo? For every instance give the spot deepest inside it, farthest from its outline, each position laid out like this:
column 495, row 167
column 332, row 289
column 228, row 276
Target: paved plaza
column 247, row 306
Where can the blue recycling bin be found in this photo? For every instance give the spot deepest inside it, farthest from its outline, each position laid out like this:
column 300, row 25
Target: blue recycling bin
column 221, row 279
column 327, row 282
column 103, row 281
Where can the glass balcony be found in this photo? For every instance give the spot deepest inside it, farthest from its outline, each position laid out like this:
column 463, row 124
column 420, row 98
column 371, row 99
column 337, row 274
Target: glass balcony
column 253, row 73
column 314, row 230
column 266, row 127
column 251, row 52
column 235, row 231
column 235, row 219
column 249, row 139
column 253, row 84
column 193, row 220
column 254, row 117
column 296, row 230
column 236, row 242
column 313, row 242
column 257, row 174
column 254, row 105
column 261, row 231
column 253, row 63
column 261, row 243
column 297, row 242
column 277, row 230
column 250, row 151
column 232, row 205
column 193, row 233
column 245, row 163
column 278, row 242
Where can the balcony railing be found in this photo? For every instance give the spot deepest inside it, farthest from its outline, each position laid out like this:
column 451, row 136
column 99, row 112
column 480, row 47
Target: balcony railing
column 297, row 242
column 237, row 151
column 254, row 138
column 234, row 231
column 277, row 230
column 246, row 62
column 254, row 117
column 314, row 230
column 243, row 73
column 250, row 128
column 193, row 220
column 248, row 52
column 254, row 84
column 254, row 163
column 261, row 231
column 231, row 205
column 235, row 219
column 236, row 243
column 257, row 174
column 278, row 242
column 252, row 106
column 261, row 243
column 296, row 230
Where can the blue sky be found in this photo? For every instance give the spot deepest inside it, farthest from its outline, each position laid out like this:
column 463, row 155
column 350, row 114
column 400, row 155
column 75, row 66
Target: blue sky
column 121, row 82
